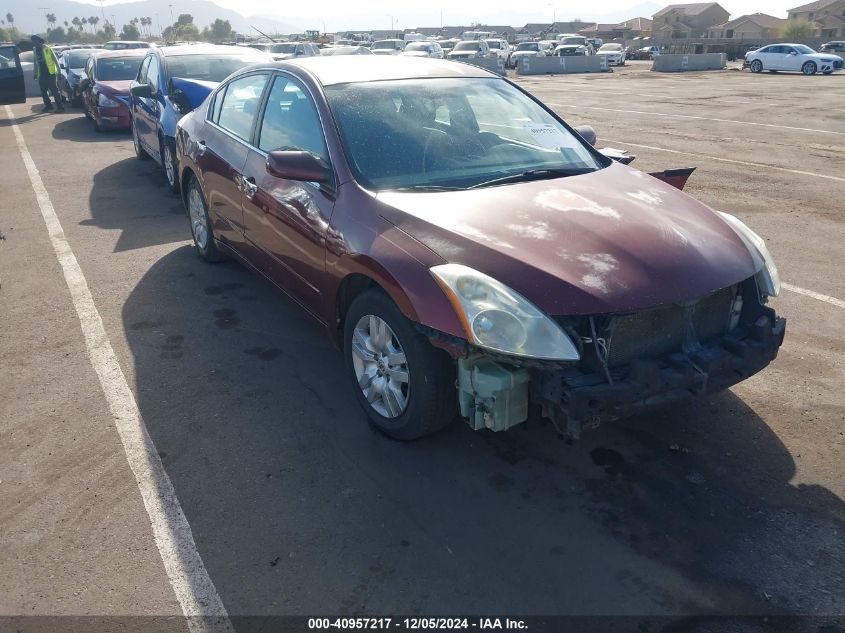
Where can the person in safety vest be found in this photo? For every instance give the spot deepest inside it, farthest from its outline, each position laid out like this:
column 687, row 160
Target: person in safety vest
column 46, row 70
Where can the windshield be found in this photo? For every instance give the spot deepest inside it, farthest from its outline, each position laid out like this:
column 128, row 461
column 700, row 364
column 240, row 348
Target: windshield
column 611, row 47
column 449, row 132
column 528, row 46
column 384, row 44
column 118, row 69
column 467, row 46
column 77, row 60
column 418, row 46
column 805, row 50
column 494, row 44
column 573, row 40
column 285, row 49
column 209, row 67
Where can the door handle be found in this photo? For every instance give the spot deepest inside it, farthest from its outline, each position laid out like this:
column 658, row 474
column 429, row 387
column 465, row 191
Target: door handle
column 250, row 187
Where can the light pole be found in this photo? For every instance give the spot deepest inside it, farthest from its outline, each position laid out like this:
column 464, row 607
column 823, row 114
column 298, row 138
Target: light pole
column 391, row 22
column 172, row 21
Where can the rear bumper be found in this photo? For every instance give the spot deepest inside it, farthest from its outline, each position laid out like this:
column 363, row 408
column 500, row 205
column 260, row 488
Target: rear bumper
column 112, row 118
column 577, row 400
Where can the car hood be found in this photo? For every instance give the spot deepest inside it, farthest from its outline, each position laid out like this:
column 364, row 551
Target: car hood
column 614, row 240
column 523, row 53
column 608, row 52
column 413, row 54
column 194, row 89
column 464, row 54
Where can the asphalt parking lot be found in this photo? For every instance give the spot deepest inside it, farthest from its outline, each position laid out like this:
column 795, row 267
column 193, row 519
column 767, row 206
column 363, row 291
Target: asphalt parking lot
column 734, row 505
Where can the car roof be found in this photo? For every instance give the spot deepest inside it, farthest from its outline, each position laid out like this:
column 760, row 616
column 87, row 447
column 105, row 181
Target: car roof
column 123, row 52
column 206, row 49
column 332, row 70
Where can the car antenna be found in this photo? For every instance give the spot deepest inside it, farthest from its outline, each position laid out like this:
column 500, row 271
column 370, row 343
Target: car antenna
column 265, row 35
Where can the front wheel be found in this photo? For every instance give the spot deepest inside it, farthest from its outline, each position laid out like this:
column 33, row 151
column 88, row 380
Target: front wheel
column 809, row 68
column 140, row 152
column 756, row 66
column 404, row 384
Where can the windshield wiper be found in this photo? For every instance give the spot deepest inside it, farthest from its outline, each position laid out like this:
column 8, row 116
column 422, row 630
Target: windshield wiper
column 427, row 188
column 533, row 174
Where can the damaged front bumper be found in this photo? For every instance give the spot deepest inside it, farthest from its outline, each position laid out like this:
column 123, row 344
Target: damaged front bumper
column 575, row 400
column 496, row 394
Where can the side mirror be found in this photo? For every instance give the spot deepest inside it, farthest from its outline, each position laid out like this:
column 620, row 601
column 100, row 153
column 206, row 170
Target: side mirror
column 587, row 133
column 297, row 165
column 142, row 91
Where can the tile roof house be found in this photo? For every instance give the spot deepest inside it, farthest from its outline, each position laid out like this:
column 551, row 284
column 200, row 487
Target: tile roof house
column 688, row 20
column 827, row 17
column 638, row 26
column 755, row 26
column 606, row 32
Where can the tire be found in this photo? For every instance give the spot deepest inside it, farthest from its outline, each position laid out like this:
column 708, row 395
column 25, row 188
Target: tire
column 756, row 66
column 424, row 402
column 169, row 164
column 97, row 128
column 140, row 152
column 202, row 230
column 809, row 68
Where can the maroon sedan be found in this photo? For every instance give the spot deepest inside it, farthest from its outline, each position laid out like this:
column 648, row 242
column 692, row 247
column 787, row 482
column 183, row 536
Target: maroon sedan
column 468, row 250
column 105, row 88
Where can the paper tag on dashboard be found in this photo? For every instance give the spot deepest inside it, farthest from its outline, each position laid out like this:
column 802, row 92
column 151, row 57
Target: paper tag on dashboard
column 547, row 135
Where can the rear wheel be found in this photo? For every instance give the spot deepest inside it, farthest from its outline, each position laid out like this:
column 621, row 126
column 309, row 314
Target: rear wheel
column 201, row 229
column 168, row 162
column 809, row 68
column 756, row 66
column 405, row 385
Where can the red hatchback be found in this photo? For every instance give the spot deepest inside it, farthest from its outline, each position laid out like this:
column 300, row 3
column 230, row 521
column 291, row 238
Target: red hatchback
column 105, row 88
column 468, row 250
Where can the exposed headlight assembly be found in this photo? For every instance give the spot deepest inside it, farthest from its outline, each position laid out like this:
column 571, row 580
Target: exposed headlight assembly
column 106, row 102
column 500, row 319
column 768, row 279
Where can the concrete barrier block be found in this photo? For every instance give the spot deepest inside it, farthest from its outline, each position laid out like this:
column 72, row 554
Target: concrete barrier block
column 495, row 65
column 562, row 65
column 684, row 63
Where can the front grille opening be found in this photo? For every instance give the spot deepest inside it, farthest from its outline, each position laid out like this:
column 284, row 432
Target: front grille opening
column 655, row 333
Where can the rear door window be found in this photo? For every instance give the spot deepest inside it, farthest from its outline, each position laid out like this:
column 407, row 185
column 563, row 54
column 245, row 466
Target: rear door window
column 239, row 105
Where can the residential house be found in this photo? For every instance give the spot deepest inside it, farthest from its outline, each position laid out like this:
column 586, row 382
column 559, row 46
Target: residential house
column 638, row 27
column 757, row 26
column 607, row 32
column 687, row 20
column 827, row 17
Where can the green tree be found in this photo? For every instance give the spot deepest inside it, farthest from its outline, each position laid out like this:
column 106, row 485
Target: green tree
column 218, row 31
column 108, row 32
column 188, row 32
column 57, row 35
column 51, row 19
column 10, row 19
column 130, row 32
column 184, row 19
column 798, row 30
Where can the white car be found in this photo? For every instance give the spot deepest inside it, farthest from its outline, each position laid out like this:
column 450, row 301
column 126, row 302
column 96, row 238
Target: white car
column 792, row 58
column 613, row 53
column 387, row 47
column 499, row 47
column 423, row 49
column 525, row 49
column 470, row 49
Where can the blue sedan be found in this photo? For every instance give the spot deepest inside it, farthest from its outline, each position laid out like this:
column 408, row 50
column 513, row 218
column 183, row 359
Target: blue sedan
column 172, row 81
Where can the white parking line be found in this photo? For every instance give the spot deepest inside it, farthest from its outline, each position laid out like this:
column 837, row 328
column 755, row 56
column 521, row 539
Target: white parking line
column 697, row 118
column 729, row 160
column 187, row 574
column 814, row 295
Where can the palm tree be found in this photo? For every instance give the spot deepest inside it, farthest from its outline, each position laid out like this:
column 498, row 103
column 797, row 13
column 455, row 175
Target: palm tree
column 93, row 20
column 51, row 20
column 10, row 19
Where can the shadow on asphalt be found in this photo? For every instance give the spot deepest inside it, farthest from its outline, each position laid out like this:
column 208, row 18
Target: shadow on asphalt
column 298, row 508
column 132, row 196
column 81, row 129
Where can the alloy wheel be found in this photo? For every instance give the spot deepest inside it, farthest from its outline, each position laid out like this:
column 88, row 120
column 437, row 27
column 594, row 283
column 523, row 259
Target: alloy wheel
column 380, row 366
column 809, row 68
column 169, row 170
column 199, row 221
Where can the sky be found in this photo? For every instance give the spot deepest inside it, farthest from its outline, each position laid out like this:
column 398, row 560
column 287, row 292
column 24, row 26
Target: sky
column 336, row 14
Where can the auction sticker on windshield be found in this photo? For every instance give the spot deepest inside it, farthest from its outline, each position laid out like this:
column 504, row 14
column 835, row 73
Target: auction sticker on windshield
column 547, row 135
